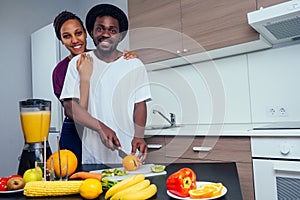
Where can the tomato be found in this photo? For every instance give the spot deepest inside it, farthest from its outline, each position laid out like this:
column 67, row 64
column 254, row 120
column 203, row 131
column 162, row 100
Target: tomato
column 3, row 186
column 3, row 180
column 14, row 175
column 3, row 183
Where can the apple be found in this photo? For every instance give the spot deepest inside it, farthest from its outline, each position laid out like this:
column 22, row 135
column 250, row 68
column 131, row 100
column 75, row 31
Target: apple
column 33, row 174
column 15, row 183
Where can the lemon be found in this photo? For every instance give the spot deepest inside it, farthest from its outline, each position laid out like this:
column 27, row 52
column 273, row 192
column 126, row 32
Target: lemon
column 158, row 168
column 90, row 188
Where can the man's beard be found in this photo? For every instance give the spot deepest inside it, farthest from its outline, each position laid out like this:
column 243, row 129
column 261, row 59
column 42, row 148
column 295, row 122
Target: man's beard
column 104, row 50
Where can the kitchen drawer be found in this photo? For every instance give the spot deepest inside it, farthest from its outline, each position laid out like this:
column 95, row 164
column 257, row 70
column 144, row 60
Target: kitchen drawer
column 278, row 147
column 156, row 154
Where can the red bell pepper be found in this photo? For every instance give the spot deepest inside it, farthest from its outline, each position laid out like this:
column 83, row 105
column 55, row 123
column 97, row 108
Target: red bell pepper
column 181, row 182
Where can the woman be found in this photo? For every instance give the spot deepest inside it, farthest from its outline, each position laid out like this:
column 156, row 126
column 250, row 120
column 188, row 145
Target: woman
column 70, row 31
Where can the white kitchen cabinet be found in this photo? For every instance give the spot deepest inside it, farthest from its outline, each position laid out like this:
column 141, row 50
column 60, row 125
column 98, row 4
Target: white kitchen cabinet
column 276, row 166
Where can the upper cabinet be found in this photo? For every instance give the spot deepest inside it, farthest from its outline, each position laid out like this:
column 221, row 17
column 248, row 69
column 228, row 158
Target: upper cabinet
column 267, row 3
column 167, row 29
column 217, row 23
column 155, row 29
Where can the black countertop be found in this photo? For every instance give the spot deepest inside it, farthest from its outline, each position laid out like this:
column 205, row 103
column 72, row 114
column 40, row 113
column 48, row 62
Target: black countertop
column 225, row 173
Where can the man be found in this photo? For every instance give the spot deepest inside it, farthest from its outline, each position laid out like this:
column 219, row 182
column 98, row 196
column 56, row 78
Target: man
column 119, row 89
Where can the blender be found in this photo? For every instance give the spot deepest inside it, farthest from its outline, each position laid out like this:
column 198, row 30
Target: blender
column 35, row 117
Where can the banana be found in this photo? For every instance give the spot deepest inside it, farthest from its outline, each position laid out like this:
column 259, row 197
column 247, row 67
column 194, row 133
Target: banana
column 137, row 187
column 141, row 194
column 127, row 182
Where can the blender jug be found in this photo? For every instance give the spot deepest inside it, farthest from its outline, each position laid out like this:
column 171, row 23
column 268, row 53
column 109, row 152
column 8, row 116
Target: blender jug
column 35, row 117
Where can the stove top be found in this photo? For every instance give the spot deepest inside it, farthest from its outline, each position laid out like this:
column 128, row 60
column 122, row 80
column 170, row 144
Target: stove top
column 278, row 125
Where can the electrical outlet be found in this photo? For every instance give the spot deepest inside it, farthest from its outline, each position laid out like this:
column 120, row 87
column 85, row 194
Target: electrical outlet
column 282, row 111
column 271, row 111
column 276, row 111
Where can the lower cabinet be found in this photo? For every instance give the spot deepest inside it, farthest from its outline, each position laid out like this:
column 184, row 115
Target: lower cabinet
column 189, row 149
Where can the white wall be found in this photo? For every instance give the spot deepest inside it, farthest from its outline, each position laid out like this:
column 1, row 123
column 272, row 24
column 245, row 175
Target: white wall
column 274, row 81
column 18, row 19
column 235, row 89
column 203, row 92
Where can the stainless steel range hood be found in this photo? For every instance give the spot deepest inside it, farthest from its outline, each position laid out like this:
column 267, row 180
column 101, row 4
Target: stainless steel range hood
column 279, row 23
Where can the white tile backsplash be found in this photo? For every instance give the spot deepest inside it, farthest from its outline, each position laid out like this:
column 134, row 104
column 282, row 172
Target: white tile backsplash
column 274, row 84
column 207, row 92
column 237, row 89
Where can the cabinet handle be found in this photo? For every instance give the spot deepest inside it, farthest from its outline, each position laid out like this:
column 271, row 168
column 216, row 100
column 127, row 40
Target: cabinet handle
column 154, row 146
column 288, row 167
column 202, row 149
column 182, row 51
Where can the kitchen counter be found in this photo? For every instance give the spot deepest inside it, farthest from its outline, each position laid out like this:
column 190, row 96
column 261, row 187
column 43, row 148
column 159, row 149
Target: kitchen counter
column 230, row 129
column 212, row 172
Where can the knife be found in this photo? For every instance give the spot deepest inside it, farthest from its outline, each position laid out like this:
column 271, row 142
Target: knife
column 122, row 154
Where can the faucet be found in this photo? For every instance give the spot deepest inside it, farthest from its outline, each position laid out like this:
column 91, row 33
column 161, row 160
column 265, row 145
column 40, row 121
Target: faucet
column 172, row 115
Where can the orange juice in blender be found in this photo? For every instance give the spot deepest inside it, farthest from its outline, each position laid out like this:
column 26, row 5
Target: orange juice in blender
column 35, row 125
column 35, row 115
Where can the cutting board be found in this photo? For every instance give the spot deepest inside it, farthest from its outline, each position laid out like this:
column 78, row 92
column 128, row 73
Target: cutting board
column 143, row 169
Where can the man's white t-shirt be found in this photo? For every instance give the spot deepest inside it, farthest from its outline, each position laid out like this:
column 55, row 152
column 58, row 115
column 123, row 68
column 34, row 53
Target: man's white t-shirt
column 114, row 89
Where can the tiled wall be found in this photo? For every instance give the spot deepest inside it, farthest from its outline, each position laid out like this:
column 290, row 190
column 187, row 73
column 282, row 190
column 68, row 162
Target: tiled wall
column 275, row 83
column 237, row 89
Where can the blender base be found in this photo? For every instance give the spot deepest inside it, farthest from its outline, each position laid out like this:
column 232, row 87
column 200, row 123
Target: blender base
column 32, row 153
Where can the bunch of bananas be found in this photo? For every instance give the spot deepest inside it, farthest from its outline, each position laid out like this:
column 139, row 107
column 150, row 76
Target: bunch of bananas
column 135, row 187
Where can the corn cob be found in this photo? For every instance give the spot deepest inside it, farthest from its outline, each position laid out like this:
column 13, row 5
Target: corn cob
column 51, row 188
